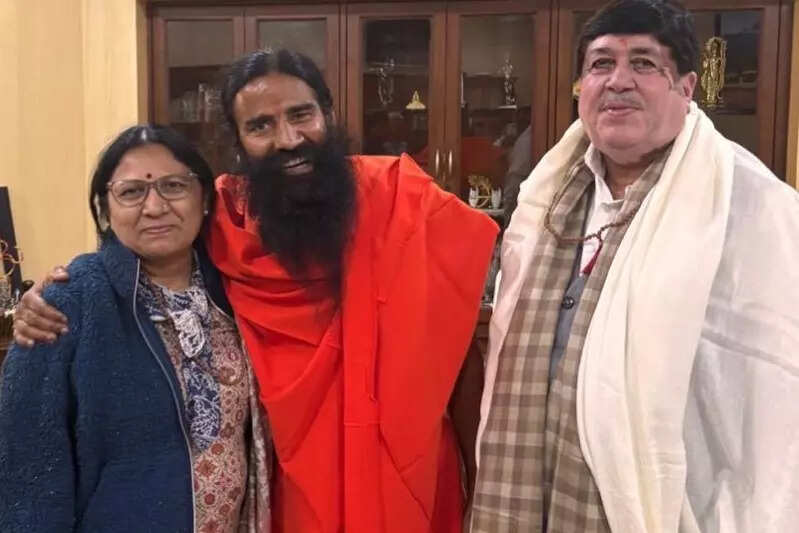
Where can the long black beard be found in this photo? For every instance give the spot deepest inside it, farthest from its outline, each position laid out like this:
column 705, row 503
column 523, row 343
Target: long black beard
column 306, row 221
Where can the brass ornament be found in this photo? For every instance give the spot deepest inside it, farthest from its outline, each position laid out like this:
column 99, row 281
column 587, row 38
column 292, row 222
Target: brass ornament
column 480, row 191
column 714, row 66
column 8, row 301
column 7, row 258
column 416, row 103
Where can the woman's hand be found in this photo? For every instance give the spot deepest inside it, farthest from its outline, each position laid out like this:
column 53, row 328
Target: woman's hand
column 34, row 319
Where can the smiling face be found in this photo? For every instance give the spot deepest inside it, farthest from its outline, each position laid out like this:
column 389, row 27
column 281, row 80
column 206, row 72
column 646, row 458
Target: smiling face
column 157, row 230
column 278, row 114
column 632, row 100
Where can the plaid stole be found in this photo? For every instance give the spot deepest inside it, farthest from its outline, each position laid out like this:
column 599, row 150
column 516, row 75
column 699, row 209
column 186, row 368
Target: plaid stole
column 533, row 476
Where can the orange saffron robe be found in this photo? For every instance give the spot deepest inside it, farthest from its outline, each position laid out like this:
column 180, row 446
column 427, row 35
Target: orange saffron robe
column 357, row 394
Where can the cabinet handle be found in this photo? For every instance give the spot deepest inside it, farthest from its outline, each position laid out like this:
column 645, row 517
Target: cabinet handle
column 449, row 164
column 437, row 164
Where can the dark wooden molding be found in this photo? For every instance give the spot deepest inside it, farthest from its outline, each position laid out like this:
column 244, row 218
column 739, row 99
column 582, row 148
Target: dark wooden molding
column 783, row 89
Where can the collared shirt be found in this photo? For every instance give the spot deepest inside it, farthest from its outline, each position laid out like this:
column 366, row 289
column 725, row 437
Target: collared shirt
column 603, row 209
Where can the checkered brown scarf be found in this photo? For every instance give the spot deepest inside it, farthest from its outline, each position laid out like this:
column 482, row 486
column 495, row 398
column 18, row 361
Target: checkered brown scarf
column 533, row 476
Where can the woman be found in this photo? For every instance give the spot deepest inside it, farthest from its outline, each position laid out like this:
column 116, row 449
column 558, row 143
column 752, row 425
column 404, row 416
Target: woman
column 144, row 416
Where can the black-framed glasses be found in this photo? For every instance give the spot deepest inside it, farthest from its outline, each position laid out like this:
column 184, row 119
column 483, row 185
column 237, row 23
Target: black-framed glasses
column 133, row 192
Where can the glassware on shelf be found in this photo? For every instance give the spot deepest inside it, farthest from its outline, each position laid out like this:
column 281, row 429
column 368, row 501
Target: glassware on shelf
column 188, row 107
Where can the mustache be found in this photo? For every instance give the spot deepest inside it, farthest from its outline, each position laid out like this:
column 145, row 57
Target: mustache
column 619, row 99
column 276, row 162
column 291, row 192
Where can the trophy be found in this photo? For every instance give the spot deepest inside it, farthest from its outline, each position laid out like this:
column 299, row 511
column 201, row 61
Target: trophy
column 714, row 65
column 479, row 191
column 8, row 263
column 416, row 103
column 385, row 82
column 508, row 84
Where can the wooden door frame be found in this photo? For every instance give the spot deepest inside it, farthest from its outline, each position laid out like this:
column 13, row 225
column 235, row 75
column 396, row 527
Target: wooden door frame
column 542, row 38
column 355, row 14
column 159, row 73
column 331, row 13
column 782, row 99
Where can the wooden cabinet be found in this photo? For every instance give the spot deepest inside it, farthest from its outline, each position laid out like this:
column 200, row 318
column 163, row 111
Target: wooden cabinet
column 456, row 84
column 452, row 84
column 190, row 47
column 497, row 69
column 396, row 79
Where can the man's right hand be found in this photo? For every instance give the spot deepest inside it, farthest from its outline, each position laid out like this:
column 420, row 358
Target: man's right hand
column 34, row 319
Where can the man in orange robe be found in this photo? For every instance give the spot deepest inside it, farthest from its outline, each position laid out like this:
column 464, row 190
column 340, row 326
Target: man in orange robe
column 356, row 284
column 357, row 325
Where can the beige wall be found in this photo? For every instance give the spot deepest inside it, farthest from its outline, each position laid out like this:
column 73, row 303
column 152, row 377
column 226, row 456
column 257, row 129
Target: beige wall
column 70, row 81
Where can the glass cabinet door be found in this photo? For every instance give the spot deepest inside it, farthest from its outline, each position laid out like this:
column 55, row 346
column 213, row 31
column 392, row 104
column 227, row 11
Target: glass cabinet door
column 739, row 83
column 496, row 112
column 733, row 86
column 309, row 30
column 395, row 81
column 190, row 48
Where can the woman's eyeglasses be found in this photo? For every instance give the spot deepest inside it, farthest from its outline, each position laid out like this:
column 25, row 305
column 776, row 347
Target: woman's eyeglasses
column 133, row 192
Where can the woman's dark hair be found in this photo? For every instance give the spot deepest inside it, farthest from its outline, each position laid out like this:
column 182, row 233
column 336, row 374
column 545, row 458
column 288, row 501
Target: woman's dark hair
column 666, row 20
column 131, row 138
column 263, row 62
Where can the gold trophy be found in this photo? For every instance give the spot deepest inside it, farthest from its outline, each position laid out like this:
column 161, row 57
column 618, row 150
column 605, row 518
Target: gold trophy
column 479, row 191
column 714, row 66
column 416, row 103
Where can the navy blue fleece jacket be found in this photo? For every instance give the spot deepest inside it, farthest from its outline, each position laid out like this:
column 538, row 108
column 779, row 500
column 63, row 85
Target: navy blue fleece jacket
column 91, row 427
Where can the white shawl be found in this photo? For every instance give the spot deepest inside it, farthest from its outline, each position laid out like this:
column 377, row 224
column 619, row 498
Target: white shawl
column 694, row 339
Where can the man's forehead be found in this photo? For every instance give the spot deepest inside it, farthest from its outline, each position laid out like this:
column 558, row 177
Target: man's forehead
column 626, row 43
column 277, row 92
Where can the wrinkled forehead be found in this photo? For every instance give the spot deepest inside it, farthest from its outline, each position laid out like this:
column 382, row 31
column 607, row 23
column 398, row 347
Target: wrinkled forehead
column 627, row 45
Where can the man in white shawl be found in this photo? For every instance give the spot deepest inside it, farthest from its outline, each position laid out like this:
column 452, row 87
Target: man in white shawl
column 643, row 365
